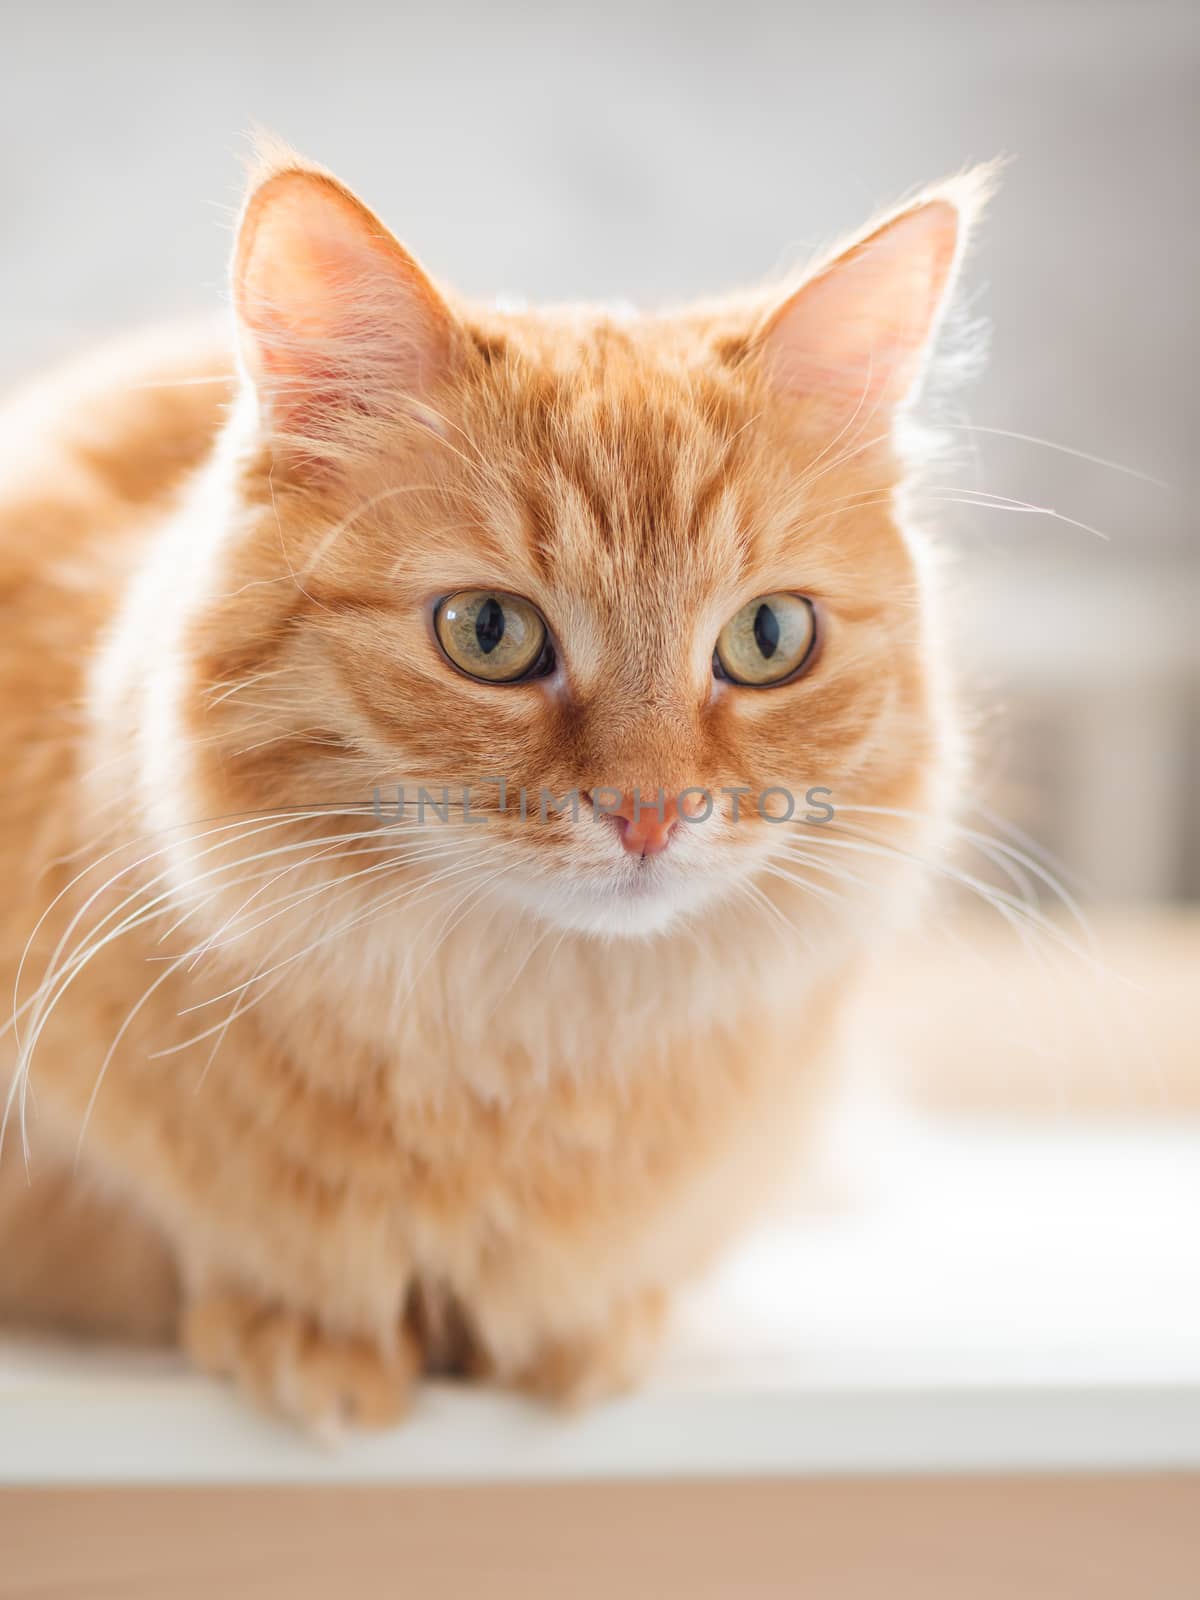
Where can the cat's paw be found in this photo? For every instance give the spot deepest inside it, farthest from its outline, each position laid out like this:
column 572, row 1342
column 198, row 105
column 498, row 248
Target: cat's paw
column 584, row 1368
column 287, row 1363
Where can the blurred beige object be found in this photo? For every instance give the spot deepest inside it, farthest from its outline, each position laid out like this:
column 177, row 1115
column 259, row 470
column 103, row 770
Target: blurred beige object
column 979, row 1021
column 77, row 1261
column 1100, row 745
column 991, row 1538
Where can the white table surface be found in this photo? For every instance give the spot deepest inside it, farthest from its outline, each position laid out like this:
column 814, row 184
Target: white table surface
column 994, row 1298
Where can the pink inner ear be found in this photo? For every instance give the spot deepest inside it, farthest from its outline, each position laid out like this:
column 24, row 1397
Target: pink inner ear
column 858, row 333
column 336, row 315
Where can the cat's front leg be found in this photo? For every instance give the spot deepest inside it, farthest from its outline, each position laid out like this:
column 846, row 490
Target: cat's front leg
column 286, row 1361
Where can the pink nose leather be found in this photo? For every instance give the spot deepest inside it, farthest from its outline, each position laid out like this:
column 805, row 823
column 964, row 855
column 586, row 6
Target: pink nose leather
column 645, row 825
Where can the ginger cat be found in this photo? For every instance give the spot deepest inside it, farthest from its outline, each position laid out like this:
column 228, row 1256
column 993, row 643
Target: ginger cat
column 376, row 1085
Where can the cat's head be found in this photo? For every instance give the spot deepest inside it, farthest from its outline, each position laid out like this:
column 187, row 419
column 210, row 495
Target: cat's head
column 585, row 554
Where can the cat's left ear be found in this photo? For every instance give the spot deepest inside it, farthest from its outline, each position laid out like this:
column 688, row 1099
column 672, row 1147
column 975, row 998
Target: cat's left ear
column 855, row 337
column 337, row 321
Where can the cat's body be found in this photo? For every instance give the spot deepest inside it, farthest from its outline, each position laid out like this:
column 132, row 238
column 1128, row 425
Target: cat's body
column 499, row 1117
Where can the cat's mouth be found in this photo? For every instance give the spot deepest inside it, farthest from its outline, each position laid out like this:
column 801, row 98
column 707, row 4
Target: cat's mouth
column 633, row 896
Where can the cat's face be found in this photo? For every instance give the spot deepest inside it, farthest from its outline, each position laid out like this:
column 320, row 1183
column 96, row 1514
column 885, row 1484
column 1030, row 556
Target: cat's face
column 538, row 565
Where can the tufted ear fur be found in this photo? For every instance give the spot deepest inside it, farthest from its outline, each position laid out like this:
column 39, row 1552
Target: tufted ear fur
column 335, row 317
column 856, row 335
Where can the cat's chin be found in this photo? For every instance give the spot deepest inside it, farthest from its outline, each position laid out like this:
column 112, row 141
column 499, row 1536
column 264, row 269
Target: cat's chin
column 620, row 910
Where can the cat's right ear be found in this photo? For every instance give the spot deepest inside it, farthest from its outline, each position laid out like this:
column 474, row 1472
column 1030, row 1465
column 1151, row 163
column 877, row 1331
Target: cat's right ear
column 855, row 337
column 336, row 319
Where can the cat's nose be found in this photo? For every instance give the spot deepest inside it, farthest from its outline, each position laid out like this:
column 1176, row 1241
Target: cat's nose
column 646, row 822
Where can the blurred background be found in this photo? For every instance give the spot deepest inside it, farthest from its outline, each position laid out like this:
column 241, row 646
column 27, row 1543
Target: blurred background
column 655, row 150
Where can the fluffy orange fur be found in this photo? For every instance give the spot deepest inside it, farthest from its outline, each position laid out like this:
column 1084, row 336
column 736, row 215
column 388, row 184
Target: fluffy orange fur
column 391, row 1094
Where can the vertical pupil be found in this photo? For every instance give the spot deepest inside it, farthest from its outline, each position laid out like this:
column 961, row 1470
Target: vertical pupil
column 766, row 631
column 489, row 625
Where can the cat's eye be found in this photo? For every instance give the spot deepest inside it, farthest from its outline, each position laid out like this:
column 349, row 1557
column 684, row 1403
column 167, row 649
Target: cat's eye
column 768, row 641
column 496, row 637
